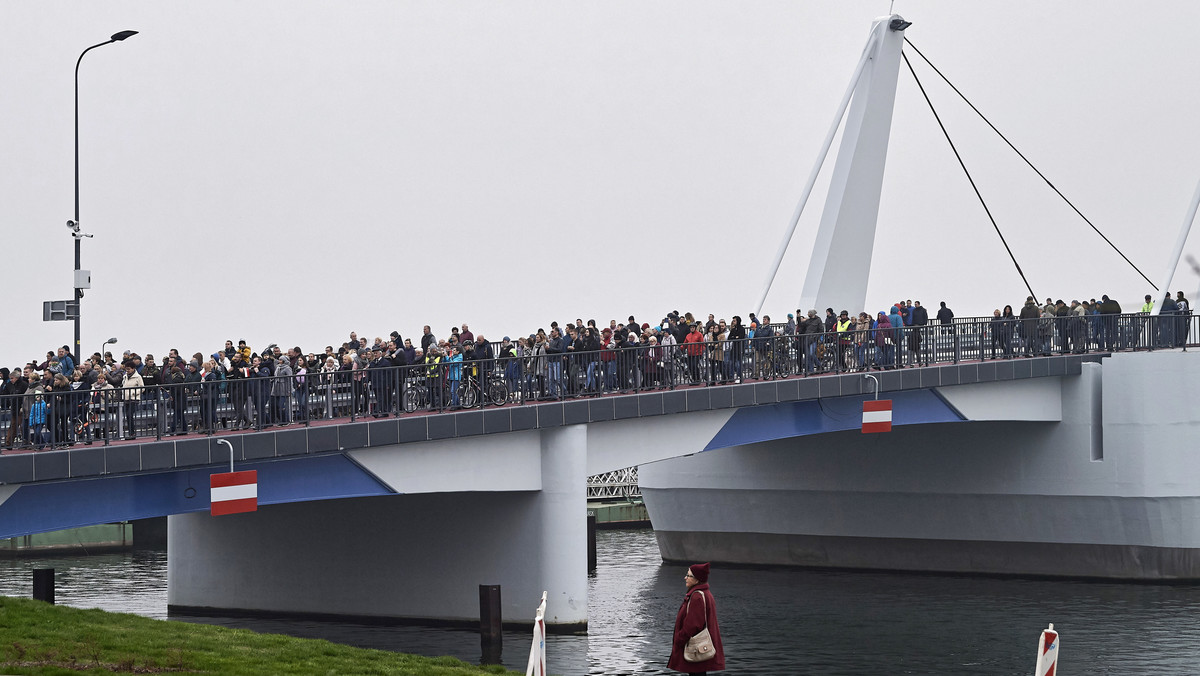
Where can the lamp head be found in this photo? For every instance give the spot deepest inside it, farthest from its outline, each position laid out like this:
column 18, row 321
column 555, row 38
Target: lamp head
column 117, row 37
column 110, row 341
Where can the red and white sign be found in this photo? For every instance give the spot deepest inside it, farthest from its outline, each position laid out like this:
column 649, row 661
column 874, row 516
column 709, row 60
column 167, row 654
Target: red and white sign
column 877, row 416
column 234, row 492
column 1047, row 661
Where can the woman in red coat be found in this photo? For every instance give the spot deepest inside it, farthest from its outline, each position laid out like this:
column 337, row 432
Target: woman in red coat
column 699, row 610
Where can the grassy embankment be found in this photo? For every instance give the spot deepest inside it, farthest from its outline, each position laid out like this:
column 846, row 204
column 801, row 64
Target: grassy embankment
column 38, row 638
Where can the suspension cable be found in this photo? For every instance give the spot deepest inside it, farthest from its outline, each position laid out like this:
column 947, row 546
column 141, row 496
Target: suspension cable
column 968, row 173
column 1022, row 156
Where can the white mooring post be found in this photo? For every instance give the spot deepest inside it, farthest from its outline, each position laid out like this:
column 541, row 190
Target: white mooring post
column 1047, row 657
column 537, row 651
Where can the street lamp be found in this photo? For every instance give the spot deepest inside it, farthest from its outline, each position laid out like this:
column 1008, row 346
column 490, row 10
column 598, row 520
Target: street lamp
column 74, row 224
column 110, row 341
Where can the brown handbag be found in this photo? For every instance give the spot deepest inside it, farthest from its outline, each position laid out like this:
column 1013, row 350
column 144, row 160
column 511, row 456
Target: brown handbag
column 699, row 648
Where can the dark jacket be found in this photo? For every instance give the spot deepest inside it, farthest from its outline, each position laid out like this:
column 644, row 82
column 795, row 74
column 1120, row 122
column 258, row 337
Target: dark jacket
column 694, row 614
column 920, row 316
column 813, row 326
column 945, row 315
column 1030, row 313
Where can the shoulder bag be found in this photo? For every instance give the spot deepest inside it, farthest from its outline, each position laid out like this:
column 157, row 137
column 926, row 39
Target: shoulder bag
column 699, row 648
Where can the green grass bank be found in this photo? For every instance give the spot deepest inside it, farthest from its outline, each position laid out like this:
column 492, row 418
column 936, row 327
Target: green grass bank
column 38, row 638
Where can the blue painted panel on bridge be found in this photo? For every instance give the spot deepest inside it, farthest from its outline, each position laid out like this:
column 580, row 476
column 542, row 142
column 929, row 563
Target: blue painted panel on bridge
column 795, row 419
column 42, row 507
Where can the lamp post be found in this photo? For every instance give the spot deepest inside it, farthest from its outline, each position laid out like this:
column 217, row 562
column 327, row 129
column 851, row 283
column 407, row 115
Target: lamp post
column 74, row 224
column 110, row 341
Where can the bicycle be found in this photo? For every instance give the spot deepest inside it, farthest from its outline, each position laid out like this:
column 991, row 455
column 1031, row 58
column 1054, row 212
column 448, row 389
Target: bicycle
column 470, row 391
column 417, row 394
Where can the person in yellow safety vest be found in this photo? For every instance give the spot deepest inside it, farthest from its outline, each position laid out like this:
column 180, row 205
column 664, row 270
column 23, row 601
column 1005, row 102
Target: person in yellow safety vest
column 845, row 331
column 434, row 373
column 1149, row 305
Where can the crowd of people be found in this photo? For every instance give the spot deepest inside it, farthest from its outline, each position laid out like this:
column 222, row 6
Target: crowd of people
column 64, row 399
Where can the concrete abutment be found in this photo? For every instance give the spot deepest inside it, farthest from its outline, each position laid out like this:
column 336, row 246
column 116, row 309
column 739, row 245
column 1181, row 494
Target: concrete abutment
column 413, row 557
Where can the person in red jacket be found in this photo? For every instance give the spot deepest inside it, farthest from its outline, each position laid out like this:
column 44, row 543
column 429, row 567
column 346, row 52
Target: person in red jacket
column 698, row 611
column 693, row 347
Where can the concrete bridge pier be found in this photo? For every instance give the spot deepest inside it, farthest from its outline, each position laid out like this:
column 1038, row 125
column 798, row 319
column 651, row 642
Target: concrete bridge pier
column 409, row 557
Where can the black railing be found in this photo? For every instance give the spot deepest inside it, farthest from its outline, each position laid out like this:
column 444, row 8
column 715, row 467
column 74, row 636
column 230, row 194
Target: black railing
column 61, row 416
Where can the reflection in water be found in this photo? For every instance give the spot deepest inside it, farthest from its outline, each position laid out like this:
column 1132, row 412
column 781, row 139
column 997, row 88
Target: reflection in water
column 772, row 621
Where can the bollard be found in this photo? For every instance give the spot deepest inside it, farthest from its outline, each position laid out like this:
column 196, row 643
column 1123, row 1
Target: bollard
column 43, row 585
column 491, row 636
column 591, row 536
column 1047, row 659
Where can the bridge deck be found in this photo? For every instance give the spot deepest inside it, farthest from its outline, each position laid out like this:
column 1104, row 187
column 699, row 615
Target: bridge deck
column 338, row 435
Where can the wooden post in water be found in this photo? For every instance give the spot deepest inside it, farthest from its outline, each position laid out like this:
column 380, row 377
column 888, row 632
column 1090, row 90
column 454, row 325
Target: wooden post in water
column 43, row 585
column 491, row 636
column 591, row 536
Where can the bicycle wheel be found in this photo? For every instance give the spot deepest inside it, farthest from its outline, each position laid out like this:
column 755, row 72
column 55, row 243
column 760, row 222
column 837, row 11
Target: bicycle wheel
column 468, row 395
column 497, row 393
column 411, row 399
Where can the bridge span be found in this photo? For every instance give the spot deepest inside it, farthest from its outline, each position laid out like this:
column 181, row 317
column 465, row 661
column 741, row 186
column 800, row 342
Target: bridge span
column 403, row 518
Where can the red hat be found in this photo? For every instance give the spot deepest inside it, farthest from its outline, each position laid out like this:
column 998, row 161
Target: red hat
column 700, row 572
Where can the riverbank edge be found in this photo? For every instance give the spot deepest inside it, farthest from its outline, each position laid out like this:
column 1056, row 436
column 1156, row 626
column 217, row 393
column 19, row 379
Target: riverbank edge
column 37, row 638
column 574, row 629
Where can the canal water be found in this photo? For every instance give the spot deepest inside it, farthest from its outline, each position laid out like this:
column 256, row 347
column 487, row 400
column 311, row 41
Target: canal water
column 772, row 621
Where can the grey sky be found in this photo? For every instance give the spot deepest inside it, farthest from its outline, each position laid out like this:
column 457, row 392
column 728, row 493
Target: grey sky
column 291, row 171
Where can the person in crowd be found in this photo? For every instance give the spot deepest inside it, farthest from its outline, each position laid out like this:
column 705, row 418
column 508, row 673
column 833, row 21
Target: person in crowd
column 736, row 348
column 1009, row 321
column 884, row 343
column 177, row 396
column 999, row 333
column 17, row 384
column 1109, row 316
column 917, row 340
column 58, row 398
column 1166, row 322
column 1062, row 325
column 696, row 619
column 260, row 390
column 863, row 347
column 1078, row 327
column 281, row 392
column 845, row 340
column 945, row 317
column 131, row 393
column 694, row 349
column 713, row 355
column 1046, row 332
column 1183, row 310
column 763, row 352
column 39, row 435
column 1030, row 312
column 554, row 363
column 454, row 374
column 435, row 376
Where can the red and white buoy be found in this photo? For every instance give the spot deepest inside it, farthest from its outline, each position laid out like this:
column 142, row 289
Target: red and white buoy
column 1047, row 658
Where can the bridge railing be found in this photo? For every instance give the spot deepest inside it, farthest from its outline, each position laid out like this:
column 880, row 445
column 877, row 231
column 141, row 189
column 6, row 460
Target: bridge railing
column 68, row 413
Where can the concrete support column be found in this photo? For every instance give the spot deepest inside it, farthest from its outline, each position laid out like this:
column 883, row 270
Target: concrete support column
column 417, row 556
column 562, row 506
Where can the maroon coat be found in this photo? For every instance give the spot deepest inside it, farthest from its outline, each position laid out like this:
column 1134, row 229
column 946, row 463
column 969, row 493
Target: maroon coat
column 690, row 620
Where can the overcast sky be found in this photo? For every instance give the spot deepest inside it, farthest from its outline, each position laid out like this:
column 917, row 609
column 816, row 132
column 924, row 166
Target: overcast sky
column 291, row 171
